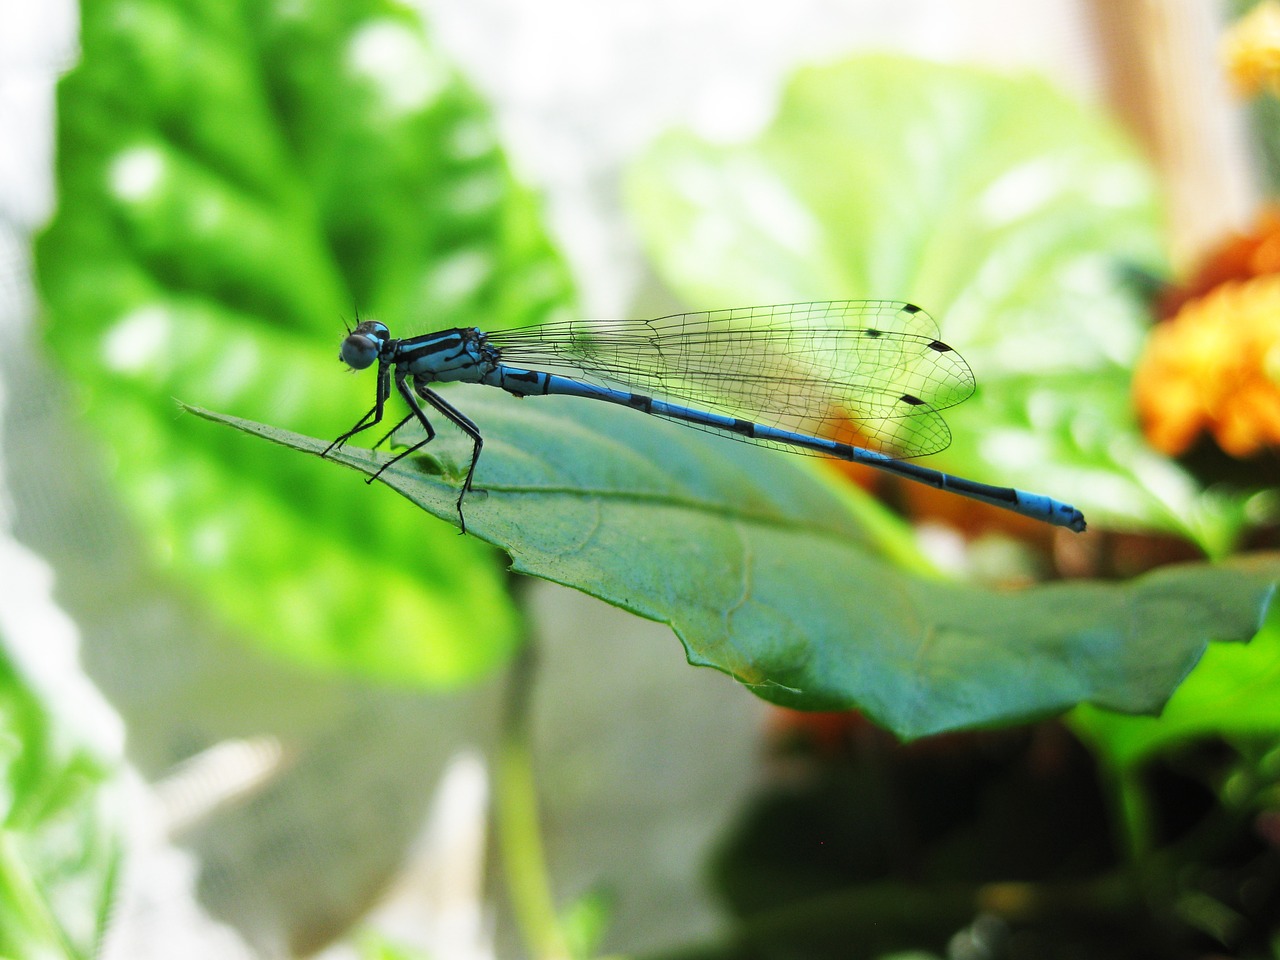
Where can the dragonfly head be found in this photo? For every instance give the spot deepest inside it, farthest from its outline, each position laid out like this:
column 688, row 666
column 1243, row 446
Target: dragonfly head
column 364, row 344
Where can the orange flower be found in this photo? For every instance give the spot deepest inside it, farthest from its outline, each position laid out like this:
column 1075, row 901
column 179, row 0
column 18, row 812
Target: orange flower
column 1215, row 367
column 1251, row 50
column 1236, row 258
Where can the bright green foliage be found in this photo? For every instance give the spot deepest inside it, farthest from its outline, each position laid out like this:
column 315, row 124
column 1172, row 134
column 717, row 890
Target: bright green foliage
column 60, row 819
column 585, row 923
column 235, row 179
column 1020, row 219
column 375, row 947
column 763, row 572
column 1232, row 694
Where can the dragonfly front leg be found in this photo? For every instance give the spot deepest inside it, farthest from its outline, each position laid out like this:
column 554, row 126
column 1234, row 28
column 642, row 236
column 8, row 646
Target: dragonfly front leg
column 374, row 416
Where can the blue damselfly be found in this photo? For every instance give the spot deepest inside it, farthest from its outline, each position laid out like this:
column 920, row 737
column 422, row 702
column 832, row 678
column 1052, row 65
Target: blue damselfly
column 792, row 376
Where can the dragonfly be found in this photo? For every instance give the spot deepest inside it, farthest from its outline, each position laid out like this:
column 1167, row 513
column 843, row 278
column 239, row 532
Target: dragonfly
column 797, row 377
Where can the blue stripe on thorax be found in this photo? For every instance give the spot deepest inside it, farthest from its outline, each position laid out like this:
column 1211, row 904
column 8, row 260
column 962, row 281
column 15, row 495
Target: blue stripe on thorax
column 450, row 355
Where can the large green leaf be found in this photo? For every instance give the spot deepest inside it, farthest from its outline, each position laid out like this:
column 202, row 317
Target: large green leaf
column 1013, row 214
column 235, row 178
column 765, row 572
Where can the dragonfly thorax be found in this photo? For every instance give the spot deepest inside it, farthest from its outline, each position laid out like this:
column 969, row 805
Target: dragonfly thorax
column 364, row 344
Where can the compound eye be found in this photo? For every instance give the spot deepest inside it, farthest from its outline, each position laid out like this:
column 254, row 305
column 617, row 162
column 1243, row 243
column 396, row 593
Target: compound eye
column 359, row 351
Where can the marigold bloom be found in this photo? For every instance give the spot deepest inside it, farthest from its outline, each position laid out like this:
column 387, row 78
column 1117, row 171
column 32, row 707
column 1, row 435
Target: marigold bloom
column 1251, row 50
column 1215, row 367
column 1238, row 257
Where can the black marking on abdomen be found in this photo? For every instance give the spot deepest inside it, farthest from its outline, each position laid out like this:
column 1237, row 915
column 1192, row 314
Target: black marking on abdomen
column 527, row 376
column 745, row 427
column 638, row 401
column 1007, row 494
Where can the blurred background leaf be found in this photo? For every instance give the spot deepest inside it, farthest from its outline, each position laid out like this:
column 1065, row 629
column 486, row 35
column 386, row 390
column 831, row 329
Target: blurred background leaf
column 62, row 819
column 234, row 181
column 1021, row 219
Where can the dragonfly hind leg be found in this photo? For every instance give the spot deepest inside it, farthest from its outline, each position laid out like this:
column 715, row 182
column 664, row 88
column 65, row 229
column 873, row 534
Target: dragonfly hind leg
column 464, row 424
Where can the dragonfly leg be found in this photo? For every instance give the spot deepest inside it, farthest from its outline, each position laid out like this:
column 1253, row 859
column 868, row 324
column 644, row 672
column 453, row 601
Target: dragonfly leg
column 463, row 423
column 417, row 413
column 431, row 435
column 454, row 417
column 390, row 433
column 371, row 418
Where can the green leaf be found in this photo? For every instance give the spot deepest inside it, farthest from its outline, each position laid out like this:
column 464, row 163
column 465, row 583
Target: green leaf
column 765, row 573
column 61, row 816
column 1014, row 215
column 1234, row 692
column 234, row 179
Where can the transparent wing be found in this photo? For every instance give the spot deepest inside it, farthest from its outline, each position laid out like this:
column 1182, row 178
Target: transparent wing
column 874, row 367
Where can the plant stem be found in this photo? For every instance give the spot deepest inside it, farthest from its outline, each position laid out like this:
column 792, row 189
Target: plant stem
column 519, row 838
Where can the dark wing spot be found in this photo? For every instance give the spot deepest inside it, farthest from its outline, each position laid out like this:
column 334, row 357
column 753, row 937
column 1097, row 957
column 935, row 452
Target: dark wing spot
column 913, row 400
column 910, row 308
column 939, row 346
column 873, row 332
